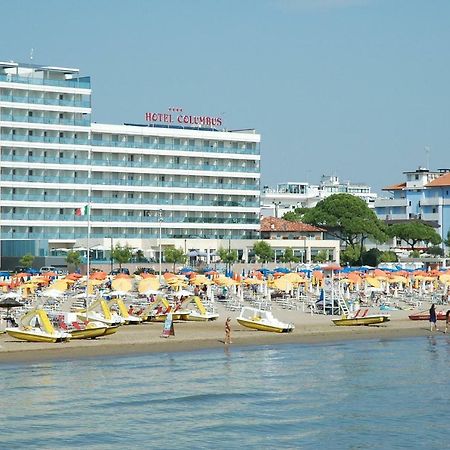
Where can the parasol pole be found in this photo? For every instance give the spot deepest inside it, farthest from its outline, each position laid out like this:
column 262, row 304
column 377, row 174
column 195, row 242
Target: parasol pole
column 87, row 246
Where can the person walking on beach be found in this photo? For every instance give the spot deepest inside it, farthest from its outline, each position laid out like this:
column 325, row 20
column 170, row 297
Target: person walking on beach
column 447, row 320
column 228, row 331
column 433, row 318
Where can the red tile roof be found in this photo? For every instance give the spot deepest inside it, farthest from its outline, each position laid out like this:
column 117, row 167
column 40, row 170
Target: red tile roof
column 395, row 187
column 273, row 224
column 443, row 180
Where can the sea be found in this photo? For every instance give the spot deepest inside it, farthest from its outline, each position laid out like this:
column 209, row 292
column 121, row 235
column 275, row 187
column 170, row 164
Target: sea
column 367, row 394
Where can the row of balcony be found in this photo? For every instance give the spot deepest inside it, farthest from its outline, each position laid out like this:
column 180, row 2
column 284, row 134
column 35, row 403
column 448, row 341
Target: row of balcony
column 126, row 200
column 173, row 146
column 144, row 234
column 44, row 139
column 45, row 120
column 121, row 163
column 138, row 218
column 35, row 100
column 82, row 83
column 116, row 182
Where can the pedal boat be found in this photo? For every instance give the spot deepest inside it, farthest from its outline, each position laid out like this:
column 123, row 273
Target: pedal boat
column 262, row 320
column 200, row 314
column 70, row 323
column 361, row 317
column 35, row 326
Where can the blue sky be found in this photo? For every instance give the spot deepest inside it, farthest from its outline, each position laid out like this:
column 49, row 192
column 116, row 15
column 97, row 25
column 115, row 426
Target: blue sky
column 354, row 88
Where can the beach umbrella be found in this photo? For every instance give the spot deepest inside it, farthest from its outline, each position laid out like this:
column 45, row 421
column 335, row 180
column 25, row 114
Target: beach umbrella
column 8, row 303
column 121, row 284
column 148, row 284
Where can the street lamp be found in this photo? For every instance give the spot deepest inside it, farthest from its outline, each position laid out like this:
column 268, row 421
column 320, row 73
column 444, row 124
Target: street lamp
column 160, row 219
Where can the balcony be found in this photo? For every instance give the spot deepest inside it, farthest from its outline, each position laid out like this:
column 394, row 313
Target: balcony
column 43, row 139
column 191, row 148
column 82, row 83
column 45, row 101
column 45, row 120
column 390, row 202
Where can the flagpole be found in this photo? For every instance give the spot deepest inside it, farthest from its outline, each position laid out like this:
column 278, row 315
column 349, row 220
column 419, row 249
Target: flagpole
column 88, row 249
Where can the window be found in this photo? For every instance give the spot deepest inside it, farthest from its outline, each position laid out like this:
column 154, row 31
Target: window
column 130, row 158
column 115, row 138
column 30, row 172
column 61, row 96
column 30, row 152
column 130, row 195
column 61, row 211
column 177, row 160
column 61, row 115
column 130, row 213
column 162, row 178
column 30, row 132
column 146, row 140
column 45, row 134
column 45, row 154
column 61, row 134
column 434, row 210
column 61, row 154
column 30, row 229
column 130, row 139
column 30, row 113
column 14, row 171
column 191, row 196
column 130, row 177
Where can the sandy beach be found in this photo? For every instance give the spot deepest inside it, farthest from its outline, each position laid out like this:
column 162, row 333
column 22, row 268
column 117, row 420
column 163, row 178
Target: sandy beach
column 146, row 338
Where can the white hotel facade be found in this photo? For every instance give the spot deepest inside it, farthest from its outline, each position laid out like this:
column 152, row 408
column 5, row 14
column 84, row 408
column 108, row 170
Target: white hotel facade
column 195, row 186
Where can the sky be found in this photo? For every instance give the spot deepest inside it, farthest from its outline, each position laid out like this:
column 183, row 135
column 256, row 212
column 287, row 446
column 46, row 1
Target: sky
column 353, row 88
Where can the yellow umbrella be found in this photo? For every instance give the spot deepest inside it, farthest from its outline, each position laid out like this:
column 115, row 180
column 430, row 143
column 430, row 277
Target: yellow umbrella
column 119, row 284
column 374, row 282
column 147, row 284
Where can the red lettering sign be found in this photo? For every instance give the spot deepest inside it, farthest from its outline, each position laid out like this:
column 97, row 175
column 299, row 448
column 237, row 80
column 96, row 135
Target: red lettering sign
column 184, row 119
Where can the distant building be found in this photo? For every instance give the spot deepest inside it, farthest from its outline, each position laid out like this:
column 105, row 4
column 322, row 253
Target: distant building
column 425, row 195
column 305, row 240
column 288, row 196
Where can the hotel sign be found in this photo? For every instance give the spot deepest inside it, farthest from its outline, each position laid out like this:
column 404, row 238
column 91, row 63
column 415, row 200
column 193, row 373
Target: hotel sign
column 183, row 119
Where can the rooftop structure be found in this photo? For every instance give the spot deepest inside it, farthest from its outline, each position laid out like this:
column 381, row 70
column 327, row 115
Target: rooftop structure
column 288, row 196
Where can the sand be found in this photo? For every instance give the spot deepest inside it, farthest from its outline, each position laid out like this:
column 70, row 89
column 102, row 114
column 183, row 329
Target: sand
column 146, row 338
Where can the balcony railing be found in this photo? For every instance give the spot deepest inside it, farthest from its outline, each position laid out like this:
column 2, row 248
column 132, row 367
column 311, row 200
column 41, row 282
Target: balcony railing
column 45, row 101
column 44, row 139
column 45, row 120
column 82, row 83
column 192, row 148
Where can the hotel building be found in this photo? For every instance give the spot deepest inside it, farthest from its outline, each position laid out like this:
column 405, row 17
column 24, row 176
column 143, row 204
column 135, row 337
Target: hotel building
column 288, row 196
column 185, row 182
column 424, row 195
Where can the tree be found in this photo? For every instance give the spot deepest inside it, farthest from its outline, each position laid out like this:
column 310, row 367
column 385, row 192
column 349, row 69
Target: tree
column 320, row 257
column 413, row 232
column 288, row 256
column 348, row 218
column 122, row 255
column 435, row 251
column 140, row 257
column 73, row 259
column 228, row 257
column 388, row 256
column 296, row 215
column 174, row 255
column 26, row 260
column 263, row 251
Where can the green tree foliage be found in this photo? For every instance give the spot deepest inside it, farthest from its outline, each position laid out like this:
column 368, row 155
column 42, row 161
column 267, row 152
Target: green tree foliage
column 320, row 257
column 296, row 215
column 347, row 218
column 122, row 255
column 228, row 257
column 26, row 260
column 413, row 232
column 435, row 251
column 288, row 256
column 175, row 256
column 388, row 256
column 351, row 256
column 73, row 259
column 414, row 254
column 263, row 251
column 140, row 257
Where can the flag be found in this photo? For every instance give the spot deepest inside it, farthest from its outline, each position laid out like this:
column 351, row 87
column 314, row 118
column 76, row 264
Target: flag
column 82, row 211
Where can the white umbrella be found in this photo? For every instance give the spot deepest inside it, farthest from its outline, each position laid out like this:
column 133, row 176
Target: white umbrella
column 182, row 293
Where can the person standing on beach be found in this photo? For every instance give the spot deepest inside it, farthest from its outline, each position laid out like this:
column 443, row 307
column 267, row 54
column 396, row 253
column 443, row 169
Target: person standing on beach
column 433, row 318
column 447, row 320
column 228, row 331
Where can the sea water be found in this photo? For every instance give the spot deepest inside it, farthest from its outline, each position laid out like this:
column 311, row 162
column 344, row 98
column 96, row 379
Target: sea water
column 371, row 394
